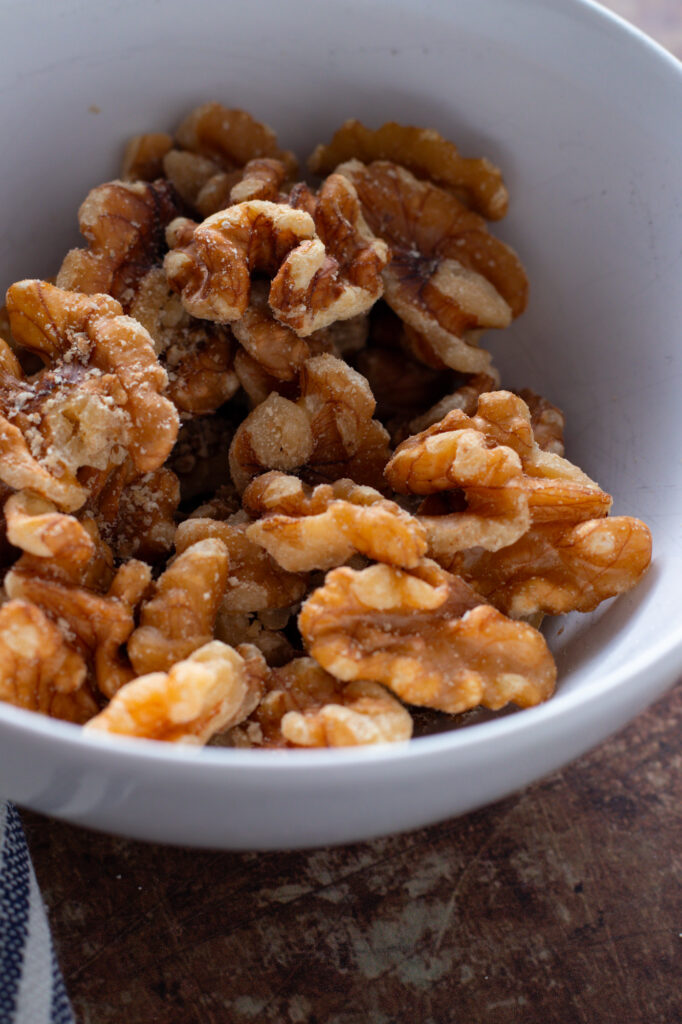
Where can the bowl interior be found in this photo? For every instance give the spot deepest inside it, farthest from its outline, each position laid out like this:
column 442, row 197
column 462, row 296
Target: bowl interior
column 584, row 119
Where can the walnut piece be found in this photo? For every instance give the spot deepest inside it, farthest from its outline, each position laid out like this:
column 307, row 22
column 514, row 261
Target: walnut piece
column 336, row 276
column 210, row 690
column 425, row 635
column 305, row 529
column 235, row 628
column 506, row 480
column 425, row 153
column 39, row 671
column 198, row 355
column 37, row 527
column 327, row 434
column 230, row 137
column 143, row 156
column 559, row 567
column 313, row 284
column 180, row 615
column 448, row 278
column 124, row 224
column 255, row 581
column 306, row 707
column 96, row 620
column 136, row 516
column 99, row 402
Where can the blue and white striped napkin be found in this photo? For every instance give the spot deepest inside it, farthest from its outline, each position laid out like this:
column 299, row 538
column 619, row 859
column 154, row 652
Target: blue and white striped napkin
column 31, row 985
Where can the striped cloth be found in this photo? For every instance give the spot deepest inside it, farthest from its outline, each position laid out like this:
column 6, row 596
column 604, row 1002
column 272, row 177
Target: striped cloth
column 31, row 986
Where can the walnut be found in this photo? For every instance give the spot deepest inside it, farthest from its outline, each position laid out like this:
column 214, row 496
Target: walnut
column 212, row 270
column 124, row 224
column 230, row 137
column 275, row 347
column 190, row 173
column 210, row 690
column 255, row 628
column 39, row 671
column 255, row 581
column 337, row 277
column 143, row 157
column 547, row 421
column 312, row 285
column 305, row 529
column 448, row 277
column 99, row 403
column 198, row 356
column 199, row 458
column 306, row 707
column 261, row 179
column 327, row 434
column 505, row 479
column 180, row 615
column 465, row 397
column 425, row 635
column 560, row 567
column 37, row 527
column 95, row 624
column 425, row 153
column 141, row 522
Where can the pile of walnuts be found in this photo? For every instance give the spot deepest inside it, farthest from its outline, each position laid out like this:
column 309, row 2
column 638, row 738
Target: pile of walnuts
column 260, row 482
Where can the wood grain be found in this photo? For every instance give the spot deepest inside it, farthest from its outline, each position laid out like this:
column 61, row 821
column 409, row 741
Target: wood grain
column 561, row 904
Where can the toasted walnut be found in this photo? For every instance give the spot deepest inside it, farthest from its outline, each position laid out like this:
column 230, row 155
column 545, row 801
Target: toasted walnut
column 144, row 526
column 230, row 137
column 95, row 624
column 425, row 153
column 448, row 277
column 327, row 434
column 336, row 276
column 504, row 477
column 464, row 397
column 304, row 529
column 199, row 458
column 255, row 580
column 425, row 636
column 198, row 356
column 274, row 346
column 205, row 693
column 261, row 179
column 212, row 270
column 306, row 707
column 37, row 527
column 99, row 403
column 559, row 567
column 547, row 421
column 39, row 671
column 180, row 615
column 236, row 628
column 124, row 224
column 143, row 157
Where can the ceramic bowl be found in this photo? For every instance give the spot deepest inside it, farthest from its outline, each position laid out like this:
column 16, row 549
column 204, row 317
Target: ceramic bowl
column 584, row 115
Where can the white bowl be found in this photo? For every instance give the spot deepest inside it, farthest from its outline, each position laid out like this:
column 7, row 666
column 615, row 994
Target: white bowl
column 585, row 117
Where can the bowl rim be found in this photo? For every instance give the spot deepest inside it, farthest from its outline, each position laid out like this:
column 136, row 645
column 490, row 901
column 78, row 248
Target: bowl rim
column 665, row 656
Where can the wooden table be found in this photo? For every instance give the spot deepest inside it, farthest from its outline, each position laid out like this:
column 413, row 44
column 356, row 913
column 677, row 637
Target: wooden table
column 560, row 905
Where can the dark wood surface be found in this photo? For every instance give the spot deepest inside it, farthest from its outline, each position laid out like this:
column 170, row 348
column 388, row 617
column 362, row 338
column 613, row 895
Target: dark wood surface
column 560, row 905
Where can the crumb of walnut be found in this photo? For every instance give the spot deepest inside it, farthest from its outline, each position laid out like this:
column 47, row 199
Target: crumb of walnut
column 305, row 529
column 425, row 153
column 98, row 403
column 208, row 691
column 505, row 479
column 560, row 567
column 180, row 615
column 39, row 671
column 448, row 278
column 255, row 581
column 304, row 706
column 124, row 224
column 425, row 635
